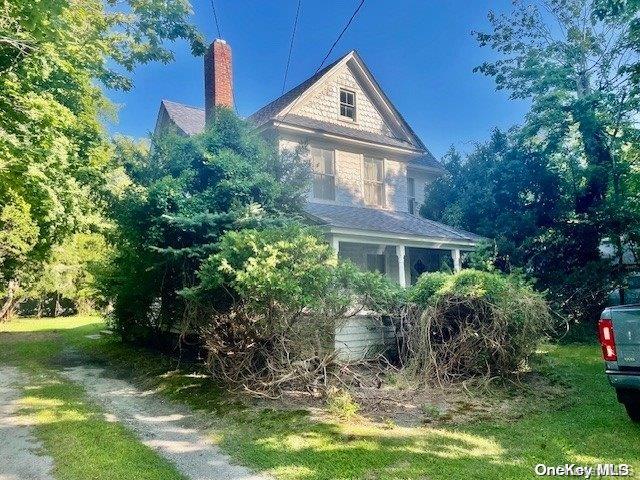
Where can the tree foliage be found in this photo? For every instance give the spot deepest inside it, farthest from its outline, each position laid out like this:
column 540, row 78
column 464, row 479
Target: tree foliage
column 53, row 148
column 182, row 196
column 551, row 191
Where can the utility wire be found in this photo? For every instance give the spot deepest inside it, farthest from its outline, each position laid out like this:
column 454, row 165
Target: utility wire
column 341, row 34
column 353, row 16
column 293, row 35
column 215, row 16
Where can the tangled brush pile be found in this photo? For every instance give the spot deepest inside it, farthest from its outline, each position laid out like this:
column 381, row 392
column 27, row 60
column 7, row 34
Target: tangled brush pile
column 473, row 323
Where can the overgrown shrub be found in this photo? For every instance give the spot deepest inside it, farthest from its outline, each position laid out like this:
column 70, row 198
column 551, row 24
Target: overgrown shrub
column 474, row 323
column 175, row 202
column 267, row 305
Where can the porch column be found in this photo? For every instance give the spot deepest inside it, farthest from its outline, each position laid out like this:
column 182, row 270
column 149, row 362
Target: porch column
column 402, row 279
column 335, row 243
column 455, row 254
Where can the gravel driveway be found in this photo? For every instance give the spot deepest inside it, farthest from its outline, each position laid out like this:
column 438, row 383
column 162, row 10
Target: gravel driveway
column 170, row 429
column 19, row 459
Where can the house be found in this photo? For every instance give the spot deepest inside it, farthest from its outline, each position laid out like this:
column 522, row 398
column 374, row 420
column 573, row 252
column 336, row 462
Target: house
column 370, row 169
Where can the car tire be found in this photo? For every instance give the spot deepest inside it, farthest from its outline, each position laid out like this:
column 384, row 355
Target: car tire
column 633, row 409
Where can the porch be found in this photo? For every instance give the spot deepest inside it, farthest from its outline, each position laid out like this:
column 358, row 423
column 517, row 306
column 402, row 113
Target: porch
column 401, row 262
column 398, row 244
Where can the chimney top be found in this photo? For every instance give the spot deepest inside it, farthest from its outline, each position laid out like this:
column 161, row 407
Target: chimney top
column 218, row 78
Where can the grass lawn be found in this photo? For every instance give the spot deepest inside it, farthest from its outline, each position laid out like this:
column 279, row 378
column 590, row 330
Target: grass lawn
column 592, row 429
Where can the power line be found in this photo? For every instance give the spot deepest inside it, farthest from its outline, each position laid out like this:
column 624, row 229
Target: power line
column 229, row 72
column 215, row 16
column 341, row 34
column 293, row 35
column 353, row 16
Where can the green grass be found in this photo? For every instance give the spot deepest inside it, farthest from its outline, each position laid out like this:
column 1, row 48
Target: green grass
column 73, row 431
column 291, row 445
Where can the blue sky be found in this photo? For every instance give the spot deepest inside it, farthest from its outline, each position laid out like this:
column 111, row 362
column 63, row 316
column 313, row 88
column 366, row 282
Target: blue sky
column 421, row 52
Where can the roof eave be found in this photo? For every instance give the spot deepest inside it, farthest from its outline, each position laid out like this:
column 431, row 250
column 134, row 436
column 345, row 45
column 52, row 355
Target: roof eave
column 393, row 238
column 275, row 123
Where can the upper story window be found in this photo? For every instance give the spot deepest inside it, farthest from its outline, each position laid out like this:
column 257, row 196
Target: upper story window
column 347, row 104
column 324, row 174
column 411, row 195
column 374, row 181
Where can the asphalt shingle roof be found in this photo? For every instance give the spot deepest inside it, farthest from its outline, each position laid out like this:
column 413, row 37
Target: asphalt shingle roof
column 271, row 109
column 383, row 221
column 191, row 121
column 188, row 119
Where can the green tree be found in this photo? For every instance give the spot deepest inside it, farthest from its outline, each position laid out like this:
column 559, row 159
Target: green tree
column 53, row 147
column 183, row 195
column 521, row 197
column 574, row 68
column 69, row 277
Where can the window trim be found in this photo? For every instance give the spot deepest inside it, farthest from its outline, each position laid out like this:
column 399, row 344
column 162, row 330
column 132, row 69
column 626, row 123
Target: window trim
column 323, row 174
column 341, row 104
column 365, row 181
column 411, row 199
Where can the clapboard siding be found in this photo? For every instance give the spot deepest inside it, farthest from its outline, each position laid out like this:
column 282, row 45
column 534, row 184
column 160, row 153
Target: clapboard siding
column 362, row 336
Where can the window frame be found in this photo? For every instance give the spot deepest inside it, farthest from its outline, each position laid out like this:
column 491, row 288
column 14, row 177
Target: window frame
column 323, row 175
column 411, row 196
column 376, row 183
column 346, row 105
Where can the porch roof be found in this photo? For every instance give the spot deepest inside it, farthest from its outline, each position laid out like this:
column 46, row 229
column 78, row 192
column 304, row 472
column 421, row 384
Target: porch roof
column 384, row 221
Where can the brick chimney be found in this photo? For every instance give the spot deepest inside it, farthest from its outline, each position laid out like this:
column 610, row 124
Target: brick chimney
column 218, row 78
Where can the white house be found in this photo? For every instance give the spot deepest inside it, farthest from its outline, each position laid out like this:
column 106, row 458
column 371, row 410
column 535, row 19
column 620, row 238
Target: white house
column 370, row 169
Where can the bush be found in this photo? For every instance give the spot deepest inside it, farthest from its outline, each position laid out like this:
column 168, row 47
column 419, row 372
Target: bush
column 174, row 203
column 267, row 304
column 474, row 323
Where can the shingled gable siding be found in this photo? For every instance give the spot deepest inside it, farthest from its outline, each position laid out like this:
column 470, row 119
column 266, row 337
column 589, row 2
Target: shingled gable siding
column 324, row 104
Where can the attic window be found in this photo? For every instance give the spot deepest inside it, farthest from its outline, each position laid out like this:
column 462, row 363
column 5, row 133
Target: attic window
column 347, row 104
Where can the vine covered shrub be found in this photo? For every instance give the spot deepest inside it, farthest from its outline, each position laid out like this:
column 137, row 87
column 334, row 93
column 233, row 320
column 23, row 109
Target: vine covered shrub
column 474, row 323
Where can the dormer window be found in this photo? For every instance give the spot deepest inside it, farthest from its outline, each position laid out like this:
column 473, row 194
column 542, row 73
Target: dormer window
column 347, row 104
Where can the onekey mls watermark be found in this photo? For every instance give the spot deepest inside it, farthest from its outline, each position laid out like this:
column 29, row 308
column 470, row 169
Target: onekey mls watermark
column 599, row 470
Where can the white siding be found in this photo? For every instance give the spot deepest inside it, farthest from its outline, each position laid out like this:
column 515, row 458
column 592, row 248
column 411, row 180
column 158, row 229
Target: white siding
column 362, row 336
column 349, row 174
column 422, row 182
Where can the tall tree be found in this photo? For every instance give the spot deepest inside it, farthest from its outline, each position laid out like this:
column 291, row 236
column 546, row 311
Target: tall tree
column 182, row 195
column 522, row 198
column 53, row 147
column 575, row 67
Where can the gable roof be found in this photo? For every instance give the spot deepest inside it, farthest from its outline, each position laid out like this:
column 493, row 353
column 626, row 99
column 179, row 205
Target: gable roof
column 281, row 107
column 271, row 109
column 383, row 221
column 191, row 120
